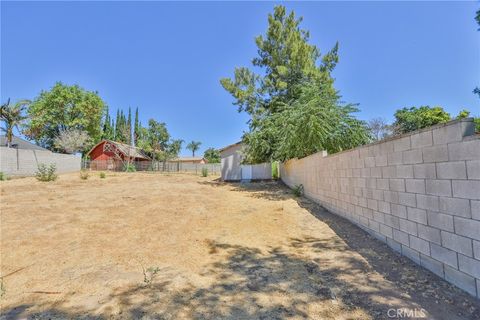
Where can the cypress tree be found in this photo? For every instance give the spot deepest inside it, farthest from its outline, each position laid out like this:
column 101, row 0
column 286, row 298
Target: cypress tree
column 136, row 128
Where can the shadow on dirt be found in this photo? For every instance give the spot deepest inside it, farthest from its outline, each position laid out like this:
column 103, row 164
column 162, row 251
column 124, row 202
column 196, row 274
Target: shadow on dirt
column 293, row 281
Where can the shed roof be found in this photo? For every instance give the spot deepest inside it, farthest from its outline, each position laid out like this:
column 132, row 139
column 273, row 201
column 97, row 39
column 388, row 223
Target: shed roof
column 230, row 146
column 125, row 149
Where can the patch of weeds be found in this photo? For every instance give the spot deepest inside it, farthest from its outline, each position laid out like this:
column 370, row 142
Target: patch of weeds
column 3, row 176
column 129, row 167
column 3, row 291
column 149, row 275
column 102, row 175
column 204, row 172
column 46, row 173
column 298, row 190
column 84, row 174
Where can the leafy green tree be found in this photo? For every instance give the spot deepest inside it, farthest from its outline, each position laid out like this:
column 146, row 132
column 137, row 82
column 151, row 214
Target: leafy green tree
column 194, row 146
column 64, row 107
column 108, row 127
column 296, row 84
column 463, row 114
column 136, row 128
column 411, row 119
column 212, row 155
column 12, row 116
column 477, row 89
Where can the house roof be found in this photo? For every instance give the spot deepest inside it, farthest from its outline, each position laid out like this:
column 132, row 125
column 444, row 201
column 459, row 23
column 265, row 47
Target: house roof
column 125, row 149
column 189, row 159
column 19, row 143
column 230, row 146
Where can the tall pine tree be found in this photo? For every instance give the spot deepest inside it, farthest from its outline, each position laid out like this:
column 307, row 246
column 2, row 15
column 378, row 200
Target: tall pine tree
column 136, row 128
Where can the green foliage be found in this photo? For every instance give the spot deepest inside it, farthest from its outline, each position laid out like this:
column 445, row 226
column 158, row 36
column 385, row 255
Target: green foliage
column 411, row 119
column 84, row 174
column 156, row 141
column 3, row 176
column 212, row 155
column 294, row 108
column 12, row 115
column 129, row 167
column 102, row 175
column 298, row 190
column 108, row 127
column 64, row 107
column 477, row 124
column 136, row 128
column 46, row 173
column 149, row 275
column 275, row 170
column 463, row 114
column 3, row 290
column 204, row 172
column 194, row 146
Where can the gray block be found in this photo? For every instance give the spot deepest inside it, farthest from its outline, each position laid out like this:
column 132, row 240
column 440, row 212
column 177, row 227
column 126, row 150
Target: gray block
column 451, row 170
column 440, row 220
column 412, row 156
column 429, row 234
column 476, row 249
column 420, row 245
column 467, row 227
column 444, row 255
column 465, row 150
column 473, row 169
column 469, row 189
column 408, row 226
column 394, row 158
column 401, row 144
column 457, row 243
column 475, row 209
column 469, row 265
column 410, row 253
column 404, row 171
column 397, row 185
column 417, row 215
column 439, row 188
column 435, row 154
column 455, row 206
column 415, row 185
column 425, row 171
column 398, row 210
column 407, row 199
column 427, row 202
column 400, row 236
column 460, row 279
column 432, row 265
column 421, row 139
column 386, row 230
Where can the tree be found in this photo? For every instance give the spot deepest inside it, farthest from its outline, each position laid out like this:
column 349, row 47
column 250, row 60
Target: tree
column 72, row 141
column 379, row 128
column 411, row 119
column 108, row 127
column 129, row 128
column 64, row 107
column 136, row 128
column 154, row 139
column 212, row 155
column 477, row 17
column 194, row 146
column 12, row 116
column 294, row 71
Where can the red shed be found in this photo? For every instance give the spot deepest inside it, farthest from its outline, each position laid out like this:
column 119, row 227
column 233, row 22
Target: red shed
column 110, row 155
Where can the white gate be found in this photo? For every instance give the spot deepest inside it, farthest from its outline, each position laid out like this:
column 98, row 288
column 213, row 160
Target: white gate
column 246, row 172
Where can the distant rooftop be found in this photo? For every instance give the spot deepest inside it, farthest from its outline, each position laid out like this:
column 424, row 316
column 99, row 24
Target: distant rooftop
column 19, row 143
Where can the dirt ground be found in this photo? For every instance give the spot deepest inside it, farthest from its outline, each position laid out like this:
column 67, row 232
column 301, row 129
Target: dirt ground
column 178, row 246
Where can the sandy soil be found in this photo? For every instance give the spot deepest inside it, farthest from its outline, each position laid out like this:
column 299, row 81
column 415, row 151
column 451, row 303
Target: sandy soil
column 158, row 246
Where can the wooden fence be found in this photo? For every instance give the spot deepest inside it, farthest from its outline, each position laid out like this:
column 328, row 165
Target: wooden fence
column 168, row 166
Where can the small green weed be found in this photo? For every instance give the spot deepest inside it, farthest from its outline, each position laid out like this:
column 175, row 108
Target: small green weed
column 102, row 175
column 298, row 190
column 84, row 174
column 204, row 172
column 46, row 173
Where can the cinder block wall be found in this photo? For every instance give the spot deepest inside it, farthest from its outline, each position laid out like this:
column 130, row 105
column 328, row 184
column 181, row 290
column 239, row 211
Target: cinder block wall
column 21, row 162
column 418, row 192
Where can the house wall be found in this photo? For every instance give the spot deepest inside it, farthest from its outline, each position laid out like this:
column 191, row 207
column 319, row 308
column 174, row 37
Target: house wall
column 418, row 192
column 23, row 162
column 230, row 163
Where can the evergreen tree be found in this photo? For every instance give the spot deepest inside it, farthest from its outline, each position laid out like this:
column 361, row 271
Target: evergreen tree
column 136, row 128
column 128, row 129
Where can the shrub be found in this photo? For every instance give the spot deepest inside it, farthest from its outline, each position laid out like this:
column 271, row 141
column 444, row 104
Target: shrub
column 298, row 190
column 102, row 175
column 46, row 173
column 275, row 170
column 84, row 174
column 129, row 167
column 204, row 172
column 3, row 176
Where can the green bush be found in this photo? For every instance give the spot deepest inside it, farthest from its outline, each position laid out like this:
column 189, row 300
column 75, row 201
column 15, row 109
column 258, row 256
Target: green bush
column 204, row 172
column 3, row 176
column 102, row 175
column 129, row 167
column 46, row 173
column 298, row 190
column 84, row 174
column 275, row 174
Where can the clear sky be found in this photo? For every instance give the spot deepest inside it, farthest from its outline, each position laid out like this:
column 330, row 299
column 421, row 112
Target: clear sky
column 167, row 58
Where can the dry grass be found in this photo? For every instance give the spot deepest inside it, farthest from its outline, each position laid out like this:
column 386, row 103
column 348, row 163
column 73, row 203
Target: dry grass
column 181, row 246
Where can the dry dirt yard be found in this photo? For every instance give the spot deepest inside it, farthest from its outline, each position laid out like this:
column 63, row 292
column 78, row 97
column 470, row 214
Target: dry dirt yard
column 157, row 246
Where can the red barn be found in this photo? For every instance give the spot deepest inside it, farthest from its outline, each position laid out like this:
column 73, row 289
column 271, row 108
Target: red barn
column 111, row 155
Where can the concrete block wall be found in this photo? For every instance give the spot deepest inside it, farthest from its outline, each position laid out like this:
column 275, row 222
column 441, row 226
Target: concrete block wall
column 418, row 192
column 22, row 162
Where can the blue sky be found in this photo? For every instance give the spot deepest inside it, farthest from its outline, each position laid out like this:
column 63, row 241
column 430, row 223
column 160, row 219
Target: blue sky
column 167, row 58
